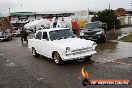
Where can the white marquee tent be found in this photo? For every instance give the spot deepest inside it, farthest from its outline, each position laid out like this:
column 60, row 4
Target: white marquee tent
column 37, row 24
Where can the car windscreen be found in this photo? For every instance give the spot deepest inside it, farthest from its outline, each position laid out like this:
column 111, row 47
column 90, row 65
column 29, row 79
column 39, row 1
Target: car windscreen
column 93, row 25
column 61, row 34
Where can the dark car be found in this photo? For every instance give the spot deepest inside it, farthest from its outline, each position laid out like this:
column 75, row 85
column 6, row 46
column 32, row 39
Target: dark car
column 93, row 31
column 5, row 36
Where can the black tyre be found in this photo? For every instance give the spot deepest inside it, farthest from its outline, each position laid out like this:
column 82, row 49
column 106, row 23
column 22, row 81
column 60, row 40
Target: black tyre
column 57, row 58
column 103, row 39
column 34, row 53
column 10, row 38
column 87, row 59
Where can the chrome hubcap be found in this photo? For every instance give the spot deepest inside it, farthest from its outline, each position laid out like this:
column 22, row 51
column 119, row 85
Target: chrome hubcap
column 56, row 57
column 33, row 52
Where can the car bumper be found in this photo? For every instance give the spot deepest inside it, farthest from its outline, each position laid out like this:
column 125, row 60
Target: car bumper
column 78, row 56
column 93, row 37
column 2, row 39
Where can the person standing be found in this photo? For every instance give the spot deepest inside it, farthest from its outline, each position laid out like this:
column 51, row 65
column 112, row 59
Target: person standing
column 54, row 24
column 75, row 26
column 24, row 36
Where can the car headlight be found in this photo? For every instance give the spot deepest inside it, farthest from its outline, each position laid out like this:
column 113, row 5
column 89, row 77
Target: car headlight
column 100, row 32
column 82, row 34
column 67, row 50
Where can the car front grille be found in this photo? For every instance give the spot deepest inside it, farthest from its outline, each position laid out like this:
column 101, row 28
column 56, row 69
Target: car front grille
column 90, row 33
column 79, row 51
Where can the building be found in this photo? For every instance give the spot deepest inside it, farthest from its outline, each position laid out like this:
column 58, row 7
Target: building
column 120, row 12
column 21, row 18
column 128, row 19
column 124, row 15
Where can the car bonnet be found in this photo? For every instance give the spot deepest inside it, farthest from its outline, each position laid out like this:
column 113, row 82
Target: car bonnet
column 73, row 43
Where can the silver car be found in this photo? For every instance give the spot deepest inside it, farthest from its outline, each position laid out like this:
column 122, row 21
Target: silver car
column 5, row 36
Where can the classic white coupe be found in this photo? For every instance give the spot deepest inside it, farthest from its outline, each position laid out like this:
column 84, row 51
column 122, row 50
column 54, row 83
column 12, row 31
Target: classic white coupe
column 61, row 44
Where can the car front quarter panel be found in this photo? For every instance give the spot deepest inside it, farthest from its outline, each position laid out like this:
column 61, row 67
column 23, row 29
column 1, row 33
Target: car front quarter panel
column 60, row 50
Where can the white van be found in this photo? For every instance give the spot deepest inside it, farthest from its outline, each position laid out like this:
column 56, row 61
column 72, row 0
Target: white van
column 61, row 24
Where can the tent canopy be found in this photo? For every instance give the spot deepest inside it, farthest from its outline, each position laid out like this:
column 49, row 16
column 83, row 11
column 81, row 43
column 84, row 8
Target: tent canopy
column 36, row 23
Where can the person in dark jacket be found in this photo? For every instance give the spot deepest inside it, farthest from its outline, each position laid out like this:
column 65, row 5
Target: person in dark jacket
column 24, row 36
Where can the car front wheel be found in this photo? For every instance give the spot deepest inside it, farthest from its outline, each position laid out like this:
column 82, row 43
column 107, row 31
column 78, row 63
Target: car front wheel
column 102, row 39
column 57, row 58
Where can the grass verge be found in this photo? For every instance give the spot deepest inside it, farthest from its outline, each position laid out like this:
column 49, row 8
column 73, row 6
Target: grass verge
column 127, row 38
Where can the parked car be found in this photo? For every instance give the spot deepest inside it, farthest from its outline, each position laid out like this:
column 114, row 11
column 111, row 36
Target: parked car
column 5, row 36
column 61, row 44
column 93, row 31
column 16, row 32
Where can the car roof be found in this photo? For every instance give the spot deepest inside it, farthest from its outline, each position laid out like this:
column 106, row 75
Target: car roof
column 52, row 29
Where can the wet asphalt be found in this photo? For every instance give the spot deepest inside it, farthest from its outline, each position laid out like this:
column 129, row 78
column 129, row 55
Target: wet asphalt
column 19, row 69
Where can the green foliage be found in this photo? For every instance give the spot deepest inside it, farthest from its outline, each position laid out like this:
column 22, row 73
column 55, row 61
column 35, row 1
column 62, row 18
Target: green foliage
column 108, row 17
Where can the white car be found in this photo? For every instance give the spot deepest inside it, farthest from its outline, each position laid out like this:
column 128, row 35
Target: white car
column 61, row 44
column 16, row 32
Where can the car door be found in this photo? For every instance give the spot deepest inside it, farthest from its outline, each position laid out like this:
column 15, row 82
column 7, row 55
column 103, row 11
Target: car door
column 37, row 42
column 45, row 45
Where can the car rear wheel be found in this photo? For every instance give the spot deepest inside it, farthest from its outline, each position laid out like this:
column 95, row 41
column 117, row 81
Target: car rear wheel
column 57, row 58
column 10, row 38
column 34, row 53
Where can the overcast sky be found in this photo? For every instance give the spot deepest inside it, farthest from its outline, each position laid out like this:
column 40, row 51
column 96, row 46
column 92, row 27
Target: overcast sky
column 53, row 5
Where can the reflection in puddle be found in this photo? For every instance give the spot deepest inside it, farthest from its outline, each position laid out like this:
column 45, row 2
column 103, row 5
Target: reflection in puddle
column 124, row 31
column 11, row 64
column 117, row 34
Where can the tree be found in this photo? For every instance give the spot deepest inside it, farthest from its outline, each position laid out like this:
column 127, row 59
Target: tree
column 5, row 24
column 108, row 17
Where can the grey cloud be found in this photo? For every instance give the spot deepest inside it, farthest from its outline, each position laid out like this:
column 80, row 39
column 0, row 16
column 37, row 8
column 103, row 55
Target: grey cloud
column 42, row 5
column 4, row 6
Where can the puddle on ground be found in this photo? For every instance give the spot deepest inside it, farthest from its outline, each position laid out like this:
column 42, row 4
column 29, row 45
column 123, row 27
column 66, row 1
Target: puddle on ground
column 7, row 60
column 11, row 64
column 124, row 31
column 112, row 50
column 1, row 54
column 119, row 33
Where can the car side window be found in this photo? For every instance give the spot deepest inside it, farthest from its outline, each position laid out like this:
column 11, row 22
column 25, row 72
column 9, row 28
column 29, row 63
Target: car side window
column 45, row 36
column 39, row 35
